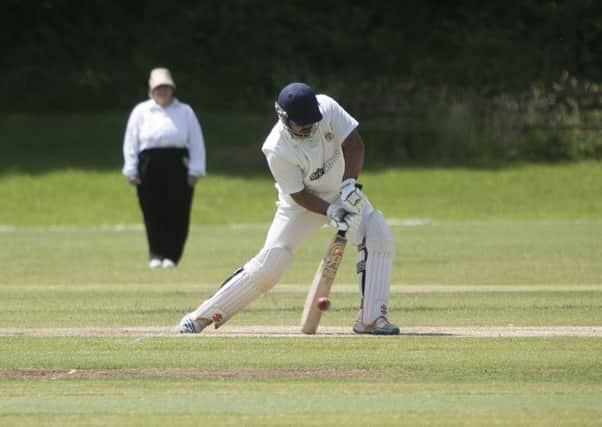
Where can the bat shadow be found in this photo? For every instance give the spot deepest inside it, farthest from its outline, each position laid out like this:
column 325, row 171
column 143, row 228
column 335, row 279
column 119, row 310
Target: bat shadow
column 426, row 334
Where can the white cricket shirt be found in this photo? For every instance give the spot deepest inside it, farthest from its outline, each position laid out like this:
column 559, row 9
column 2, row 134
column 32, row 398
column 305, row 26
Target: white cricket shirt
column 315, row 164
column 152, row 126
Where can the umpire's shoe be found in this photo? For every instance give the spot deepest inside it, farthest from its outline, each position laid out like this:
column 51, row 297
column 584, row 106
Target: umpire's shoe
column 381, row 326
column 190, row 325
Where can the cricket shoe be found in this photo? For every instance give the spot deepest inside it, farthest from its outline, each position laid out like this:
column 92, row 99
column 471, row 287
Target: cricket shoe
column 190, row 325
column 167, row 263
column 381, row 326
column 154, row 263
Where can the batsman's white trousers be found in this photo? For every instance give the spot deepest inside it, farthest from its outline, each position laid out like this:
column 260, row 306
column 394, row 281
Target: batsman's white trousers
column 290, row 227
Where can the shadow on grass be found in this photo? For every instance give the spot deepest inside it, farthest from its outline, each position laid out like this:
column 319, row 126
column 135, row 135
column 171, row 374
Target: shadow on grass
column 36, row 143
column 426, row 334
column 40, row 143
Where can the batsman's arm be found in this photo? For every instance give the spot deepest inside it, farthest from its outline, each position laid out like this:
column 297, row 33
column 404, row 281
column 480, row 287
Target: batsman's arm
column 353, row 153
column 339, row 218
column 311, row 202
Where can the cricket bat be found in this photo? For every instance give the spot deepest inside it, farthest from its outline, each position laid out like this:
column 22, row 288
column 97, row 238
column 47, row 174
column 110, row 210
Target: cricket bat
column 322, row 282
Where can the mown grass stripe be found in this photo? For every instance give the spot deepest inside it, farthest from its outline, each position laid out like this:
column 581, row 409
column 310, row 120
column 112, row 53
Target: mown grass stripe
column 277, row 403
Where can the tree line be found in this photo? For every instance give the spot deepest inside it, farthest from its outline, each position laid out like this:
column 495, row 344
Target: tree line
column 96, row 54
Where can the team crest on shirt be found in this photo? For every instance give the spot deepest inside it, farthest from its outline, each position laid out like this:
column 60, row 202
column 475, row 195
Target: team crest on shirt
column 329, row 136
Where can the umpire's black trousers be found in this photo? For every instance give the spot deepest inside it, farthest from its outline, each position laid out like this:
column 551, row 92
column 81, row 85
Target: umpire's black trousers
column 165, row 198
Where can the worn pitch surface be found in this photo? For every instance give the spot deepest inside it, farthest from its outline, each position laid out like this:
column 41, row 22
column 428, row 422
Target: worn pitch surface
column 326, row 331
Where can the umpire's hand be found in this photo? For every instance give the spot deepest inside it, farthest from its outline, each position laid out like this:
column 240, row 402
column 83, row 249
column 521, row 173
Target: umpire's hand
column 192, row 180
column 134, row 180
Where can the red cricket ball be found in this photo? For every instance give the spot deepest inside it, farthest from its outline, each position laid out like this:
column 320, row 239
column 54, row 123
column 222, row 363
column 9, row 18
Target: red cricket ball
column 323, row 303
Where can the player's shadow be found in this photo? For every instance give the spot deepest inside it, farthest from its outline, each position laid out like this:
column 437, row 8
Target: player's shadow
column 426, row 334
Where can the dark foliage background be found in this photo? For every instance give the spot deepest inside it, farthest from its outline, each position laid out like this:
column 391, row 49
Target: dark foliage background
column 421, row 70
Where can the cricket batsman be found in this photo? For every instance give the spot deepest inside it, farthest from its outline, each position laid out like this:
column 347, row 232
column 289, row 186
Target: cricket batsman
column 315, row 154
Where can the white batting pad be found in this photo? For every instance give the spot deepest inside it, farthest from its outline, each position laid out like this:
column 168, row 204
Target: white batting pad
column 375, row 301
column 375, row 259
column 378, row 237
column 257, row 276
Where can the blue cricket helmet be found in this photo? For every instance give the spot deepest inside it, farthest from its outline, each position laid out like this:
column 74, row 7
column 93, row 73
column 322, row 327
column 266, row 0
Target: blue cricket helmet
column 297, row 102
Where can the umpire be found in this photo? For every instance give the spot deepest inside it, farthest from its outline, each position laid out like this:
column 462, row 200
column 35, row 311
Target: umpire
column 164, row 154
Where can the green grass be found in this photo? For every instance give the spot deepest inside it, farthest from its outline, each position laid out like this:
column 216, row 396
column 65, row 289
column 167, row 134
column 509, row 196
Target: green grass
column 188, row 403
column 533, row 226
column 95, row 277
column 407, row 359
column 404, row 381
column 92, row 197
column 521, row 192
column 526, row 252
column 139, row 306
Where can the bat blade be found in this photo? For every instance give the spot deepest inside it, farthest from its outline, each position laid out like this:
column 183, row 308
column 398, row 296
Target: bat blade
column 322, row 282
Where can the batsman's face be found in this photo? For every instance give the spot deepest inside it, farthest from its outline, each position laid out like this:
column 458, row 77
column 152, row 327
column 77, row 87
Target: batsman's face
column 304, row 131
column 163, row 95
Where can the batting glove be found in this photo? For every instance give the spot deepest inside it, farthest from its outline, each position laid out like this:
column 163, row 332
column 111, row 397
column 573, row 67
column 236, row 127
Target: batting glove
column 352, row 197
column 339, row 217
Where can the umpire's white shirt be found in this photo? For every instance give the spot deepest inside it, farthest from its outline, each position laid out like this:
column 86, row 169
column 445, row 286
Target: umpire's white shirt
column 152, row 126
column 316, row 163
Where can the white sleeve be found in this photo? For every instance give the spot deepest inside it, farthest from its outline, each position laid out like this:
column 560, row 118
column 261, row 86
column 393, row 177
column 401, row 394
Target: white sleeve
column 131, row 144
column 341, row 121
column 196, row 146
column 288, row 176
